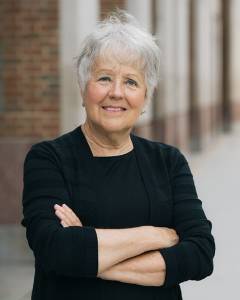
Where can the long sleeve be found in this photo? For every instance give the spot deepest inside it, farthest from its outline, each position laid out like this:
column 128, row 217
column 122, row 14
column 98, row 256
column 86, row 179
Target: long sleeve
column 70, row 251
column 192, row 257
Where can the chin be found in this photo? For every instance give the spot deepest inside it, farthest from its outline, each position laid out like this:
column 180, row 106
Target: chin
column 114, row 128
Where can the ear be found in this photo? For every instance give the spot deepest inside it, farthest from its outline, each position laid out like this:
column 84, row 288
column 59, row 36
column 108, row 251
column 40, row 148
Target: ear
column 145, row 98
column 81, row 92
column 82, row 98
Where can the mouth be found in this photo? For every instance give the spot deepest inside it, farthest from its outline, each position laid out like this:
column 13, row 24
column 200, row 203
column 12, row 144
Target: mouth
column 114, row 108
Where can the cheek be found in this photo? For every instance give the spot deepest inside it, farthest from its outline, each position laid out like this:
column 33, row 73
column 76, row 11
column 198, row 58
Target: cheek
column 95, row 94
column 137, row 100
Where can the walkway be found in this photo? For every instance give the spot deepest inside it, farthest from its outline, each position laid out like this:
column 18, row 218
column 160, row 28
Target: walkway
column 217, row 178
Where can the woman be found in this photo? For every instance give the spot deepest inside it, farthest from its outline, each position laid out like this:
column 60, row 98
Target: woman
column 109, row 214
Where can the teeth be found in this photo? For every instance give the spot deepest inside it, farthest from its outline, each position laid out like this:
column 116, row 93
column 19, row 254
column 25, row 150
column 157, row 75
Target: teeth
column 113, row 108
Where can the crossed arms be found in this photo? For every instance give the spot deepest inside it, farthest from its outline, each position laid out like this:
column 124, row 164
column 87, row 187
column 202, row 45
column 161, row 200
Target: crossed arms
column 127, row 255
column 144, row 255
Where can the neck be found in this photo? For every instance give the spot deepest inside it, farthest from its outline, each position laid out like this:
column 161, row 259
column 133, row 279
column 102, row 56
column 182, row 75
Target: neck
column 106, row 143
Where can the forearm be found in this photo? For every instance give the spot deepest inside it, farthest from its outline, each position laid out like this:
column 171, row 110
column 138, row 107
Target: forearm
column 146, row 269
column 117, row 245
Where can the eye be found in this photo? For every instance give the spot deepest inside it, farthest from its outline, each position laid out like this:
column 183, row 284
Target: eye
column 131, row 82
column 104, row 78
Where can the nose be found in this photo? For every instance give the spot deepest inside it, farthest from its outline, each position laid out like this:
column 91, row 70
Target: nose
column 116, row 90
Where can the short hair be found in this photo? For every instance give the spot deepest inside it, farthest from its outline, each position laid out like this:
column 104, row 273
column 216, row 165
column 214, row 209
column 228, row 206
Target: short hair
column 122, row 36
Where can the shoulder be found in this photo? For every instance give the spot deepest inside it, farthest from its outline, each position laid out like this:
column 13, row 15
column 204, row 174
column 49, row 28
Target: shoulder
column 171, row 155
column 168, row 150
column 57, row 143
column 52, row 149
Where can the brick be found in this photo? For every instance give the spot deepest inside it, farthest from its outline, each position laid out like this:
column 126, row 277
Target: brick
column 29, row 51
column 109, row 5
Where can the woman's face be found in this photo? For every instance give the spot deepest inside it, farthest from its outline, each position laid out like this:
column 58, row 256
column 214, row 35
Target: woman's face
column 114, row 96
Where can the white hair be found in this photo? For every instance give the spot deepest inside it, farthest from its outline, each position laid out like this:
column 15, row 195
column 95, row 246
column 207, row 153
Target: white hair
column 121, row 36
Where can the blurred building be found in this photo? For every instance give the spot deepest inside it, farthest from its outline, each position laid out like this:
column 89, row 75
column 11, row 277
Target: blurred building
column 198, row 96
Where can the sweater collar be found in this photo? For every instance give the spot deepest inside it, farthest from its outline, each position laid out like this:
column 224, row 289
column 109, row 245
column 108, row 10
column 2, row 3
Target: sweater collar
column 151, row 166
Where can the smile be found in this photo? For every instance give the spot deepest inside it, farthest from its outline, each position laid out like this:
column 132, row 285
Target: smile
column 113, row 109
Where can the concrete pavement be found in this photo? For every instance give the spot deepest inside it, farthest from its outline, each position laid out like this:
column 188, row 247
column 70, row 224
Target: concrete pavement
column 16, row 264
column 217, row 178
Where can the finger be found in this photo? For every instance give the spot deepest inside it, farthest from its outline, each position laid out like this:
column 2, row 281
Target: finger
column 72, row 214
column 67, row 217
column 62, row 217
column 60, row 214
column 64, row 224
column 65, row 212
column 69, row 211
column 57, row 206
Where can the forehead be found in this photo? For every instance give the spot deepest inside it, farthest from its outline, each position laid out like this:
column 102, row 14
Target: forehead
column 118, row 63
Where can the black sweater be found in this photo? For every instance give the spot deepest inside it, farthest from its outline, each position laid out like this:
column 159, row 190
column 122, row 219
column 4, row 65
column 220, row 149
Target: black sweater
column 66, row 259
column 122, row 200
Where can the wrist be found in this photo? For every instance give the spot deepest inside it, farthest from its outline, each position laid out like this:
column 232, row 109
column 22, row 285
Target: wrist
column 149, row 238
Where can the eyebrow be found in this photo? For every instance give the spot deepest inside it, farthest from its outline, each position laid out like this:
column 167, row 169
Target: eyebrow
column 110, row 71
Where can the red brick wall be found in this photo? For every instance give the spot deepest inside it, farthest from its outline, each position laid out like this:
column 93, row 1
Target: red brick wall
column 29, row 73
column 110, row 5
column 29, row 91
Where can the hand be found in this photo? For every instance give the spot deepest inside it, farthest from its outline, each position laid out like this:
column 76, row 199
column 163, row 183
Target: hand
column 166, row 237
column 147, row 269
column 67, row 216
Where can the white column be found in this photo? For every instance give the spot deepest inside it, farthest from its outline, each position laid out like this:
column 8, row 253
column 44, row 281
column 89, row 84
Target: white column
column 235, row 57
column 77, row 19
column 142, row 10
column 203, row 51
column 208, row 64
column 166, row 27
column 173, row 33
column 182, row 56
column 216, row 60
